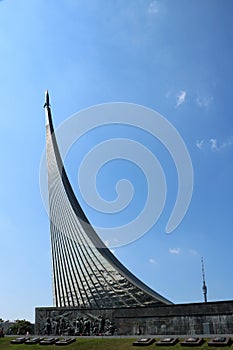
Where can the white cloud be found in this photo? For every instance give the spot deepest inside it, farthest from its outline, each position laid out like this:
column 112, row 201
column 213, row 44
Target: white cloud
column 225, row 144
column 200, row 144
column 204, row 102
column 174, row 250
column 152, row 261
column 216, row 146
column 180, row 98
column 213, row 144
column 153, row 8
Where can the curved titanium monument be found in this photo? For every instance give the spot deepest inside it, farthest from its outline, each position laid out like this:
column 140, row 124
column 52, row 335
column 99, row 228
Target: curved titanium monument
column 85, row 272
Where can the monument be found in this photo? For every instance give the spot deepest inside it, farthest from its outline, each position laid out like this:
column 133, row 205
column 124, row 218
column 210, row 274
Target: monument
column 85, row 272
column 93, row 292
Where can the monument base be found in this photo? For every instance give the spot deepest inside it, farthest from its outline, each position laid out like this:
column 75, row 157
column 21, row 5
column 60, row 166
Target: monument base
column 195, row 318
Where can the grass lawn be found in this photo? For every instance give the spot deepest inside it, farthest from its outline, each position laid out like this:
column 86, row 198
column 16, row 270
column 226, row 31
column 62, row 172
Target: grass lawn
column 98, row 344
column 81, row 343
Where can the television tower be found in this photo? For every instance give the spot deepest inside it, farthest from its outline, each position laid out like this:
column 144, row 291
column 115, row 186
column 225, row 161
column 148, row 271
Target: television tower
column 204, row 287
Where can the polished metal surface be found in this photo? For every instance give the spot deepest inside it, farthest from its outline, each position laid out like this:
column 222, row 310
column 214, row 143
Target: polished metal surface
column 85, row 272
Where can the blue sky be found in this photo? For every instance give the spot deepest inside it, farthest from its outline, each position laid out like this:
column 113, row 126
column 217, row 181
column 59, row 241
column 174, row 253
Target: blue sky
column 173, row 56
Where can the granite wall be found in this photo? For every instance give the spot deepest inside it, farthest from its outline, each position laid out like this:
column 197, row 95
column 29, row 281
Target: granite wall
column 198, row 318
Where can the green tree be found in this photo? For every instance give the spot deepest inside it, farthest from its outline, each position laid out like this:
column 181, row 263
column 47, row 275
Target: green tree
column 21, row 327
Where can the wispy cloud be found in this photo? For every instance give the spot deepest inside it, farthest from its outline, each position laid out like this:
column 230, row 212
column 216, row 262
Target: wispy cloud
column 227, row 143
column 174, row 250
column 200, row 144
column 168, row 93
column 180, row 98
column 153, row 8
column 193, row 252
column 213, row 144
column 204, row 102
column 217, row 146
column 152, row 261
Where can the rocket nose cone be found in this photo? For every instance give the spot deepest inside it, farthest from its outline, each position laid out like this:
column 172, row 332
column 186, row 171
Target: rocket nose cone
column 47, row 97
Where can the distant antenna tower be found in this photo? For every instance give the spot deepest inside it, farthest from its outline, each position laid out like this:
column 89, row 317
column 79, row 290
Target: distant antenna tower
column 204, row 287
